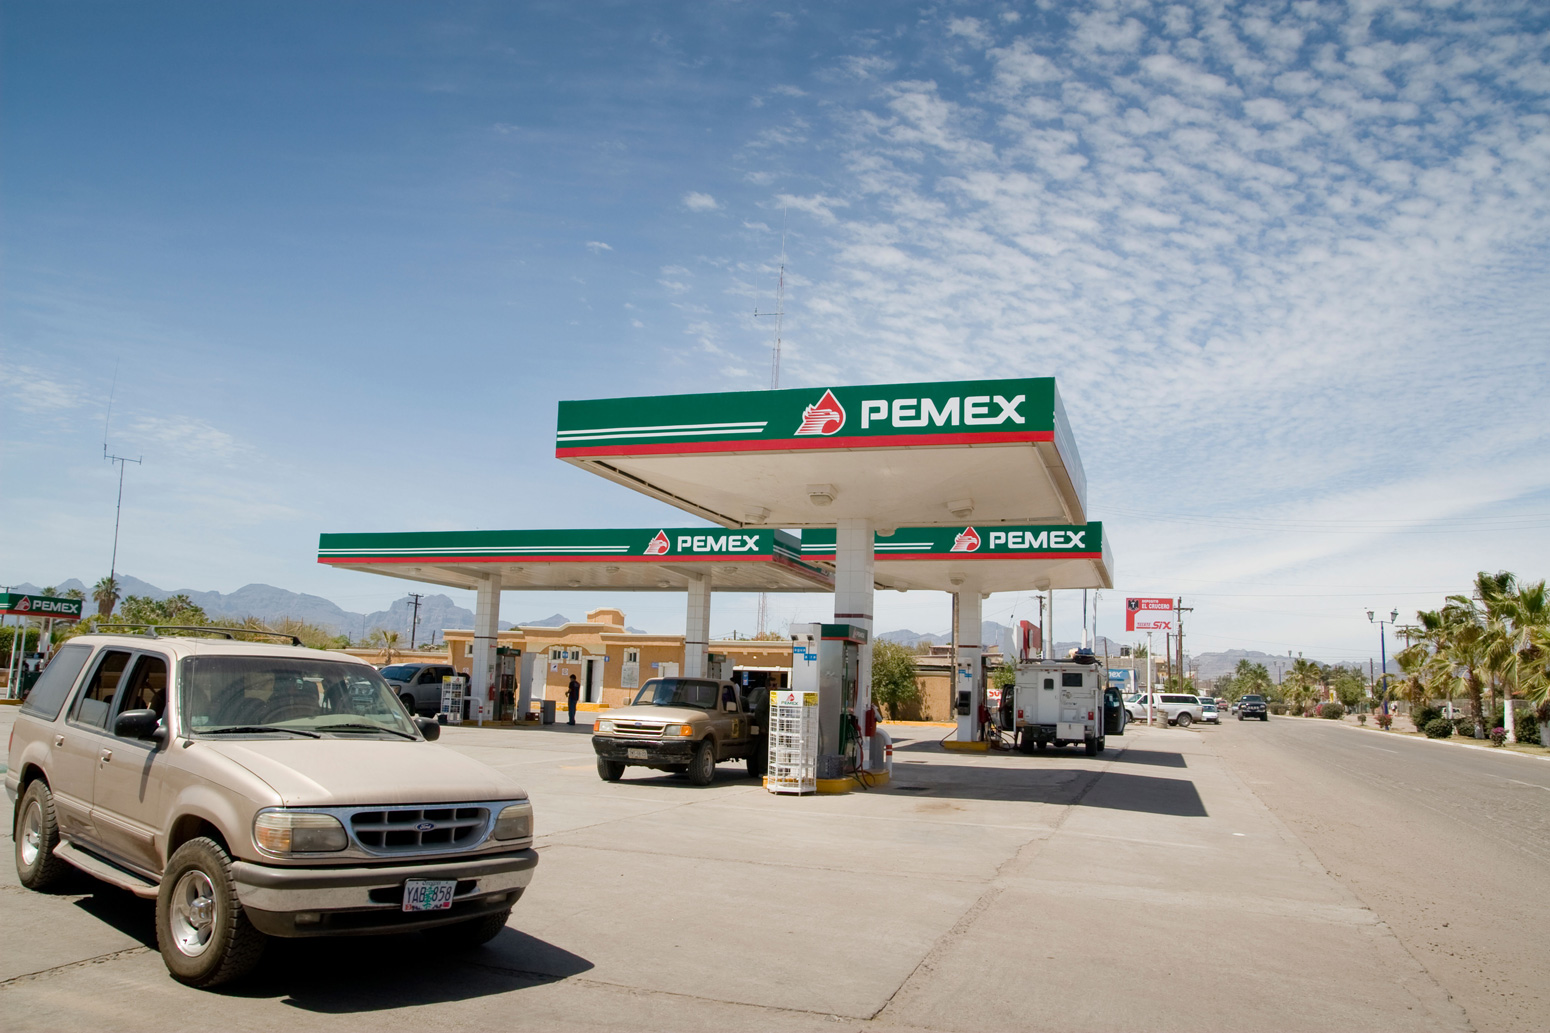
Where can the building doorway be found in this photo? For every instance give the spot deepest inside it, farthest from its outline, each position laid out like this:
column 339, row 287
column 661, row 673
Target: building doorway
column 592, row 684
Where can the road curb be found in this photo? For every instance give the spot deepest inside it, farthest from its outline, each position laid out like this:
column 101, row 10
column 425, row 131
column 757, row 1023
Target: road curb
column 1440, row 742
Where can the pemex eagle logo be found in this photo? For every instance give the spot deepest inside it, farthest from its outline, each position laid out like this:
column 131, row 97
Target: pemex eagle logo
column 825, row 417
column 659, row 545
column 967, row 541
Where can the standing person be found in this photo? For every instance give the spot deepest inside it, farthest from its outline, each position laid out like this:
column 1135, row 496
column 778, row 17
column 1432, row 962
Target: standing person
column 572, row 694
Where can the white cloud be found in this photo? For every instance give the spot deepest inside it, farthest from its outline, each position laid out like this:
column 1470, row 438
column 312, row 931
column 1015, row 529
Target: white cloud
column 698, row 202
column 598, row 247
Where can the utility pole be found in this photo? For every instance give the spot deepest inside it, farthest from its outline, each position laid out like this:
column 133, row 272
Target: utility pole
column 1182, row 610
column 414, row 625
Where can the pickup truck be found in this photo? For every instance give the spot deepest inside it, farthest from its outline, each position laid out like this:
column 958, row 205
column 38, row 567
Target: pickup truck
column 257, row 791
column 685, row 726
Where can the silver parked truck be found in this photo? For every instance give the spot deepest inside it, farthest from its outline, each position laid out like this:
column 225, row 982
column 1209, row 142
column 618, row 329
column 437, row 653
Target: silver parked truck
column 1056, row 703
column 258, row 791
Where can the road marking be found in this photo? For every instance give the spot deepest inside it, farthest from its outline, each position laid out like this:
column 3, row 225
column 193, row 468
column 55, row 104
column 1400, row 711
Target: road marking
column 1380, row 749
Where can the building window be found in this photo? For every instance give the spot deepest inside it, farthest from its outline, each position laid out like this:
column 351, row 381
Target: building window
column 632, row 656
column 575, row 654
column 468, row 649
column 557, row 654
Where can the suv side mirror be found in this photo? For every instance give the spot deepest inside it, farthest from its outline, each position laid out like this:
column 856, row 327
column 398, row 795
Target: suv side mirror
column 428, row 727
column 138, row 724
column 730, row 706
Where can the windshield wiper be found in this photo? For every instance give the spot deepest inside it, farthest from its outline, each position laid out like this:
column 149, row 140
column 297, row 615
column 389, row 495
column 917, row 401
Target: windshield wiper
column 238, row 729
column 368, row 728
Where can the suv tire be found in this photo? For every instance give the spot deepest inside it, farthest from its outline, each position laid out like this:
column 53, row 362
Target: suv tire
column 203, row 933
column 609, row 771
column 469, row 933
column 1264, row 717
column 702, row 769
column 407, row 699
column 36, row 833
column 1090, row 747
column 1183, row 719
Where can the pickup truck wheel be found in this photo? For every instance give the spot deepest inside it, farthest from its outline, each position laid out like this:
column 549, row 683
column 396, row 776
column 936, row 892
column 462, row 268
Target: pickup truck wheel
column 1103, row 743
column 203, row 933
column 1043, row 745
column 407, row 699
column 702, row 769
column 37, row 834
column 1090, row 747
column 608, row 771
column 1025, row 743
column 469, row 934
column 1182, row 720
column 1240, row 717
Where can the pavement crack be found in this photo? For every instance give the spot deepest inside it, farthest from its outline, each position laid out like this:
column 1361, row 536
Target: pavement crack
column 100, row 959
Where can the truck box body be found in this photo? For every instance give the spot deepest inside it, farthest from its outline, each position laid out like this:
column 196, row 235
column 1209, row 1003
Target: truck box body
column 1056, row 702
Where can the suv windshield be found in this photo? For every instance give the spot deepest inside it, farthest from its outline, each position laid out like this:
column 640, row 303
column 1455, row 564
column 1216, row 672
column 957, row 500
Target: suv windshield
column 399, row 672
column 274, row 694
column 1252, row 699
column 677, row 692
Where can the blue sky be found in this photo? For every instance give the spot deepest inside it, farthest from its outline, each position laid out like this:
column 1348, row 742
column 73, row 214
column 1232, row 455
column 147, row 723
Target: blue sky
column 337, row 263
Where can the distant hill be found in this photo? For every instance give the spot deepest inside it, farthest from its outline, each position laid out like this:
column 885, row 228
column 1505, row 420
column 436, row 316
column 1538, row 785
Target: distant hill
column 267, row 602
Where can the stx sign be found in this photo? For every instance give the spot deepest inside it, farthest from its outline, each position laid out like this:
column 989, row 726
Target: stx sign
column 878, row 416
column 1149, row 614
column 40, row 606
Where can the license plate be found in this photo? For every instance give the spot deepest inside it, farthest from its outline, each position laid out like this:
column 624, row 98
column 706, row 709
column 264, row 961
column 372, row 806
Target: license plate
column 428, row 894
column 635, row 754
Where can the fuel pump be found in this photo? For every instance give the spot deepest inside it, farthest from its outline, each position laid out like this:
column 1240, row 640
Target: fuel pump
column 835, row 674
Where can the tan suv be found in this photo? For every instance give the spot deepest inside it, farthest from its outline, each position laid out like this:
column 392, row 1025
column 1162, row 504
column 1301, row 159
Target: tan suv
column 684, row 725
column 257, row 790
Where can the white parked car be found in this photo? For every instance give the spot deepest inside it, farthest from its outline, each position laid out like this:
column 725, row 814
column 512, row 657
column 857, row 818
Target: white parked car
column 1209, row 711
column 1182, row 710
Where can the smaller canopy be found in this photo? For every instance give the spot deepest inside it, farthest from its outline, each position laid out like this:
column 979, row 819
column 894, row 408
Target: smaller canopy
column 657, row 559
column 989, row 558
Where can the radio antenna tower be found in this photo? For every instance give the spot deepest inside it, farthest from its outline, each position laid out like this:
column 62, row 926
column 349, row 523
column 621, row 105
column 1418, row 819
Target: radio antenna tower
column 780, row 310
column 122, row 461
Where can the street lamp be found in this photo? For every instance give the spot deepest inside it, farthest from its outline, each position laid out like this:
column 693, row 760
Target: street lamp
column 1383, row 652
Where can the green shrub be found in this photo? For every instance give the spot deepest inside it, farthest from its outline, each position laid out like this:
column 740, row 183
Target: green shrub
column 1498, row 736
column 1528, row 727
column 1384, row 720
column 1332, row 711
column 1464, row 726
column 1424, row 716
column 1438, row 728
column 1361, row 719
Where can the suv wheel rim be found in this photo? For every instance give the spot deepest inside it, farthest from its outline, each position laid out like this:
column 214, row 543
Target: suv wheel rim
column 32, row 834
column 193, row 913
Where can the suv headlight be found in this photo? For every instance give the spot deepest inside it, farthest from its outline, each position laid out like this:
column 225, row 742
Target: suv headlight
column 515, row 821
column 298, row 832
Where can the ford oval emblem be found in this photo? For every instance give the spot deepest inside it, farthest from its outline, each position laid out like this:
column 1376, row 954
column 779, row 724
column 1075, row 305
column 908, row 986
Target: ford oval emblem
column 425, row 826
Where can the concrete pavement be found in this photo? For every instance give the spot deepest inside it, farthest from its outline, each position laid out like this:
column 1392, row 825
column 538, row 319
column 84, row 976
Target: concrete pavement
column 1150, row 888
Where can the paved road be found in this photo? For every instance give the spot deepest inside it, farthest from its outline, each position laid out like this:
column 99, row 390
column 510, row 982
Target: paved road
column 1449, row 846
column 1122, row 892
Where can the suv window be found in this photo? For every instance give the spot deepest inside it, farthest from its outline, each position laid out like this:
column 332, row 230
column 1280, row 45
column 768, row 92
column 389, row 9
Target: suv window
column 678, row 692
column 1252, row 699
column 147, row 688
column 1179, row 699
column 58, row 678
column 399, row 672
column 95, row 701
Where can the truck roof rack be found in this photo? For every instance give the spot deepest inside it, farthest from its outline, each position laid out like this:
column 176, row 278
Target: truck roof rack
column 155, row 630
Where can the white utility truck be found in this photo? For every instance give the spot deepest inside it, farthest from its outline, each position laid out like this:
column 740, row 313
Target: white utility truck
column 1056, row 702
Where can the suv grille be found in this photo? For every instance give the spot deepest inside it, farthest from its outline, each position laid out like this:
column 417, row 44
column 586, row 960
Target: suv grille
column 639, row 729
column 413, row 829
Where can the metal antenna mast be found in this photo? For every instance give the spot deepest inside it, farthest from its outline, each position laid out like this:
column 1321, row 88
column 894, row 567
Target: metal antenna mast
column 118, row 509
column 780, row 311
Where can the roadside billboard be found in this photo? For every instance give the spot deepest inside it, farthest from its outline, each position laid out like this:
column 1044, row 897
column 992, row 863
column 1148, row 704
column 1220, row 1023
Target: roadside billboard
column 1149, row 614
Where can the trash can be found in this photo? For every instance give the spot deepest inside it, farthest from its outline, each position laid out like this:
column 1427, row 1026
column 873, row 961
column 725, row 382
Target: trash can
column 546, row 708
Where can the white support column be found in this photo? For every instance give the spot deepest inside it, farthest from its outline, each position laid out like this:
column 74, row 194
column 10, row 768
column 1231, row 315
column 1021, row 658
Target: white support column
column 853, row 590
column 967, row 635
column 487, row 616
column 697, row 628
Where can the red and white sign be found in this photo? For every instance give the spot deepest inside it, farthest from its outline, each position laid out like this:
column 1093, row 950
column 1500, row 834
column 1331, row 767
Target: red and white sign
column 659, row 545
column 825, row 417
column 968, row 540
column 1149, row 614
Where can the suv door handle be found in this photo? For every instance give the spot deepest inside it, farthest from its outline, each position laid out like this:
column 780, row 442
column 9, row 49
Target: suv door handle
column 107, row 754
column 59, row 740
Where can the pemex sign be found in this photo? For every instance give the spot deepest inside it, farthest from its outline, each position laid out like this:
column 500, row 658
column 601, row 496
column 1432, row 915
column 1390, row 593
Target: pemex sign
column 877, row 416
column 623, row 545
column 1001, row 542
column 22, row 605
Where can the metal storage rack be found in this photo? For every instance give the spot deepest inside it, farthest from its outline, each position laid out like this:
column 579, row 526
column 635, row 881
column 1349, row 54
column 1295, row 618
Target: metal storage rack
column 793, row 766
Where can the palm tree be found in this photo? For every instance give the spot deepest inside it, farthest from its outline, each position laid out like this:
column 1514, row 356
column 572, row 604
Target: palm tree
column 105, row 594
column 387, row 641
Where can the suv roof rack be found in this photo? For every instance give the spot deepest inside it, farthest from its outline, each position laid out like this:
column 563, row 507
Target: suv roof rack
column 155, row 630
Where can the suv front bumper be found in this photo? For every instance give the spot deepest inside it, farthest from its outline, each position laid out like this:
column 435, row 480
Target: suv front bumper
column 647, row 751
column 340, row 901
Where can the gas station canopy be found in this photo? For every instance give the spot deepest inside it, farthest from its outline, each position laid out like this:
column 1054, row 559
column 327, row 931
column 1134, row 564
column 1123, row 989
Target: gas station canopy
column 989, row 558
column 998, row 451
column 623, row 559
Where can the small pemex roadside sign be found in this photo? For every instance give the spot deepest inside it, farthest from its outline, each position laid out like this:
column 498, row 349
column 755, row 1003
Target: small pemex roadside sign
column 23, row 605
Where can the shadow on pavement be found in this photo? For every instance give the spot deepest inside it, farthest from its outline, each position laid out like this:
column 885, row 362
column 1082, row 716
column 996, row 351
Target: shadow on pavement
column 370, row 973
column 121, row 909
column 1153, row 757
column 1113, row 790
